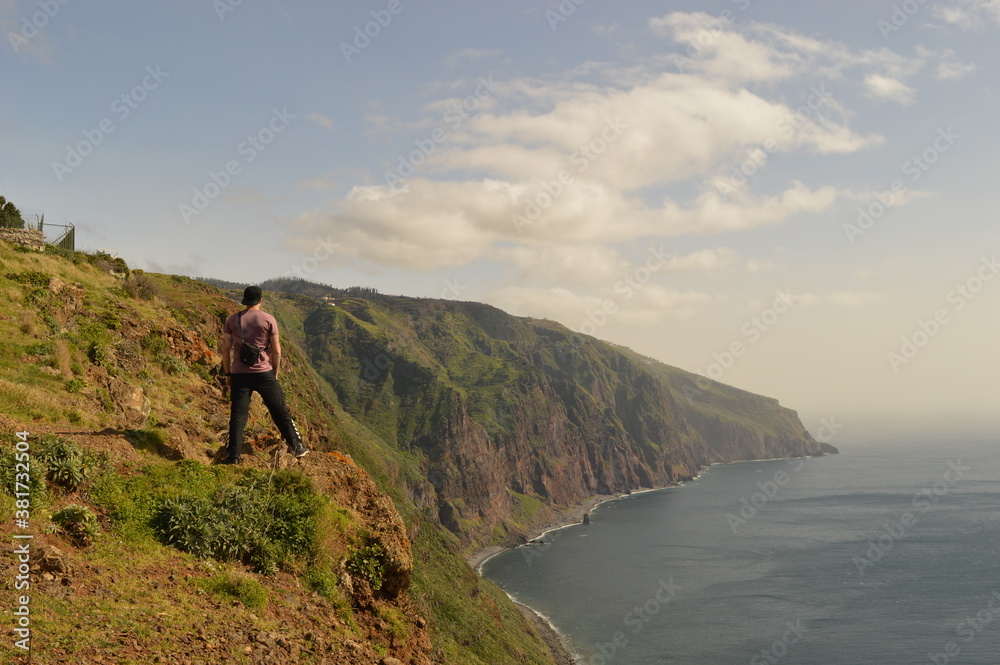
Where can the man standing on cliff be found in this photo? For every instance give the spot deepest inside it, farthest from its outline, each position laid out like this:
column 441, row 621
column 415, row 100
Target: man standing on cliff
column 251, row 359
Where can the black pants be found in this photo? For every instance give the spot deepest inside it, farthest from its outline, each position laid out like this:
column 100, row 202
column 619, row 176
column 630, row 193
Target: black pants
column 242, row 388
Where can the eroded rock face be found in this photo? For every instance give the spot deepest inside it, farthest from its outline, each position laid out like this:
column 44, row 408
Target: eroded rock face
column 352, row 488
column 130, row 400
column 190, row 347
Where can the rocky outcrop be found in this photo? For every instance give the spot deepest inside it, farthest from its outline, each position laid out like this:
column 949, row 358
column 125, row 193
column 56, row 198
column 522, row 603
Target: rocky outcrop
column 31, row 238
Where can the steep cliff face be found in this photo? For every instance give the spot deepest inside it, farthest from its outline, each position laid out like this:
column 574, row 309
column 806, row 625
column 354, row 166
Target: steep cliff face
column 507, row 415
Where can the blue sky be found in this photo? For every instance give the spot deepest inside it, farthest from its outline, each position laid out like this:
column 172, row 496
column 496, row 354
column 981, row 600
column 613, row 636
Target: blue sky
column 792, row 197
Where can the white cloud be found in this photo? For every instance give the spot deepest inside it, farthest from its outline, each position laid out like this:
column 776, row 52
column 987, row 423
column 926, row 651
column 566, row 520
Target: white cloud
column 706, row 260
column 323, row 121
column 549, row 177
column 950, row 67
column 970, row 14
column 884, row 87
column 587, row 264
column 339, row 179
column 646, row 305
column 17, row 17
column 430, row 224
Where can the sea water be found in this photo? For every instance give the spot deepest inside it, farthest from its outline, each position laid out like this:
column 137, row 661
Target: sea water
column 884, row 554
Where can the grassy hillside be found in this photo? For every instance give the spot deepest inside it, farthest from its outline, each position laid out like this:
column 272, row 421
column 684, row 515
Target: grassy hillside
column 145, row 552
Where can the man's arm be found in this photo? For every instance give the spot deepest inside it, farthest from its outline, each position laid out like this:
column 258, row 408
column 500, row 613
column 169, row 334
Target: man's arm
column 275, row 353
column 227, row 355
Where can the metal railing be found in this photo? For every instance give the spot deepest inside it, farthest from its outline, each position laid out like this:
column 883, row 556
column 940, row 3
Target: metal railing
column 58, row 235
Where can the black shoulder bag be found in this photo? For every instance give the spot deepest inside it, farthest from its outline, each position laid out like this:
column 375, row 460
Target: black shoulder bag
column 249, row 354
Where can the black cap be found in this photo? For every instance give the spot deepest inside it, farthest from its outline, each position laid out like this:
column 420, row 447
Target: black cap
column 252, row 296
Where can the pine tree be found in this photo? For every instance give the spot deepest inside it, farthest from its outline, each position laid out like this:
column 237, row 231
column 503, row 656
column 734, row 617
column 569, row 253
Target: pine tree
column 10, row 216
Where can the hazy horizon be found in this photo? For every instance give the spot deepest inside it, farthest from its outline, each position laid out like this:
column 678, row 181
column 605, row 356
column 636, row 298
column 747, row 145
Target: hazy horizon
column 792, row 199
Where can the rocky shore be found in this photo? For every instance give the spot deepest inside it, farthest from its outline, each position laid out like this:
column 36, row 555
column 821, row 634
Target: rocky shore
column 573, row 515
column 561, row 652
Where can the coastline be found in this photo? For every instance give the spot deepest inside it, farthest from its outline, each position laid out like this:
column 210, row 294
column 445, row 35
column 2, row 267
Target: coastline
column 558, row 644
column 566, row 517
column 562, row 653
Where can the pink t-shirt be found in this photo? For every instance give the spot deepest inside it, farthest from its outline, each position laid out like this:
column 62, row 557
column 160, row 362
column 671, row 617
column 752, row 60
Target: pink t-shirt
column 258, row 327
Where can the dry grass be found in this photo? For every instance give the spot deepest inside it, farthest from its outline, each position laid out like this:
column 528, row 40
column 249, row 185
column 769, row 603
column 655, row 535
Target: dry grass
column 63, row 358
column 29, row 324
column 39, row 403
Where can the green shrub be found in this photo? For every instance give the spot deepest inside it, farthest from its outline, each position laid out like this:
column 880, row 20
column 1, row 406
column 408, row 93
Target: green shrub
column 397, row 625
column 66, row 465
column 324, row 581
column 108, row 263
column 367, row 563
column 261, row 521
column 154, row 343
column 98, row 354
column 170, row 363
column 9, row 469
column 75, row 385
column 29, row 277
column 78, row 523
column 40, row 349
column 139, row 285
column 151, row 440
column 243, row 588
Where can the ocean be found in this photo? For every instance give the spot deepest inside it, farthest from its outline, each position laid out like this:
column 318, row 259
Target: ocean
column 885, row 554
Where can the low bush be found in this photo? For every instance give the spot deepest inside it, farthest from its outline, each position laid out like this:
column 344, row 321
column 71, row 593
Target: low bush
column 264, row 522
column 139, row 285
column 368, row 563
column 75, row 385
column 66, row 464
column 243, row 588
column 77, row 523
